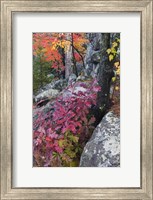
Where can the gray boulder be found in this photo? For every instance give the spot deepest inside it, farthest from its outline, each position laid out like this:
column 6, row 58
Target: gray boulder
column 59, row 84
column 51, row 93
column 103, row 148
column 56, row 84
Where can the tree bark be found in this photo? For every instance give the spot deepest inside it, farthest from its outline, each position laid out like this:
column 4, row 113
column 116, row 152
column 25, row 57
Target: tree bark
column 68, row 60
column 105, row 74
column 73, row 58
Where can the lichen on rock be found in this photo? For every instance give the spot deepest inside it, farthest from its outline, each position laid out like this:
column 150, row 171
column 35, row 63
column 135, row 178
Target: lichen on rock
column 103, row 148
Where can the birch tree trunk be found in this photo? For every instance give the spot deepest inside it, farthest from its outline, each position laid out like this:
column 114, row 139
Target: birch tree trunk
column 68, row 58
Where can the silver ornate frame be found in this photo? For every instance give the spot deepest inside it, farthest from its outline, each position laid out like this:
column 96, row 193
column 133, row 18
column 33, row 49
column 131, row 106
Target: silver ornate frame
column 145, row 8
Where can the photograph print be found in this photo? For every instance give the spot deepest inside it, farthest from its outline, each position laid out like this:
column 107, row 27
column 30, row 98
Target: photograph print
column 76, row 99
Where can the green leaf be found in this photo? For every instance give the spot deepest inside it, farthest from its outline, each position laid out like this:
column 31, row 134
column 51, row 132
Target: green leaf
column 70, row 153
column 74, row 164
column 118, row 40
column 74, row 138
column 54, row 154
column 61, row 143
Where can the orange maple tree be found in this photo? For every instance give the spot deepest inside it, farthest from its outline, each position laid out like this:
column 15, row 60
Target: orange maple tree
column 50, row 45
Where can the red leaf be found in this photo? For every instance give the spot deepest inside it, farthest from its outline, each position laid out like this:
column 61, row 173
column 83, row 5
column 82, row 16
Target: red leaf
column 88, row 103
column 48, row 139
column 59, row 149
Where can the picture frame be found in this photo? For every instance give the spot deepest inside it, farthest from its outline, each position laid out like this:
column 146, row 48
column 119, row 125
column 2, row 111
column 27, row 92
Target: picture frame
column 144, row 7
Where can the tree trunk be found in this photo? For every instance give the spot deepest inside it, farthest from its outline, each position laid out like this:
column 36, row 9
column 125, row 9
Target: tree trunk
column 61, row 50
column 105, row 74
column 68, row 58
column 73, row 58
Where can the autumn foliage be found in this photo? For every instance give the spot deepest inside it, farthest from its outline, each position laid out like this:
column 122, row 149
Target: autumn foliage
column 61, row 133
column 62, row 128
column 50, row 45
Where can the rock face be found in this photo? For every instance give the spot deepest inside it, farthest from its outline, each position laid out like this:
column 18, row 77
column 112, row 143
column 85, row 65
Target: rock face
column 50, row 90
column 51, row 93
column 103, row 148
column 92, row 58
column 55, row 84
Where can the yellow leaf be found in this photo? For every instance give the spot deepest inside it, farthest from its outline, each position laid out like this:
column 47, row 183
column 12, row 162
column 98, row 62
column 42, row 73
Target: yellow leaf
column 113, row 79
column 116, row 88
column 118, row 71
column 116, row 64
column 114, row 44
column 113, row 51
column 53, row 47
column 108, row 51
column 111, row 57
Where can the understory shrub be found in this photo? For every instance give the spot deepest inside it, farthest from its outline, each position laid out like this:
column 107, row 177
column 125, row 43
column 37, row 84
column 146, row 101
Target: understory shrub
column 62, row 131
